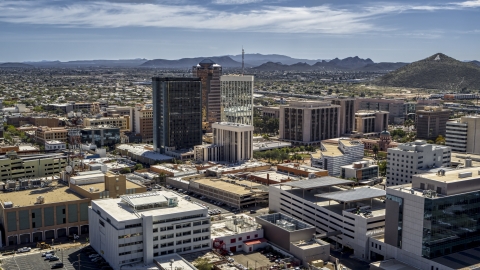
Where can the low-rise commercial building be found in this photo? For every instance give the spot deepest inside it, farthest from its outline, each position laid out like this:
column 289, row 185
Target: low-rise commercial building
column 99, row 185
column 122, row 123
column 55, row 145
column 271, row 177
column 295, row 236
column 361, row 171
column 138, row 228
column 144, row 122
column 218, row 171
column 42, row 214
column 272, row 112
column 44, row 134
column 301, row 170
column 143, row 153
column 334, row 154
column 235, row 193
column 237, row 234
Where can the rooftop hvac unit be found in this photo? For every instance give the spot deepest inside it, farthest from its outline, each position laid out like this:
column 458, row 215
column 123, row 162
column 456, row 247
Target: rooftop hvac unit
column 40, row 200
column 8, row 204
column 11, row 184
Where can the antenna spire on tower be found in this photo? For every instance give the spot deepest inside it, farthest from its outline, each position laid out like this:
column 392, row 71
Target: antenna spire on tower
column 243, row 61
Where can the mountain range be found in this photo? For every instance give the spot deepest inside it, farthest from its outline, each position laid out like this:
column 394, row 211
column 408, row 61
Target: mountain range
column 438, row 71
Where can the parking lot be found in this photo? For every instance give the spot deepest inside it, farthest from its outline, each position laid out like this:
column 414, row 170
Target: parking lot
column 35, row 261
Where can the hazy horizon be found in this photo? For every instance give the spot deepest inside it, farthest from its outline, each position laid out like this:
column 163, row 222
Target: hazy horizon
column 384, row 31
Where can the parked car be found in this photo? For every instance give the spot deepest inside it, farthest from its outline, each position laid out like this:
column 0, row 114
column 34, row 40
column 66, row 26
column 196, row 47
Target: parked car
column 24, row 249
column 91, row 256
column 57, row 265
column 253, row 211
column 53, row 258
column 44, row 254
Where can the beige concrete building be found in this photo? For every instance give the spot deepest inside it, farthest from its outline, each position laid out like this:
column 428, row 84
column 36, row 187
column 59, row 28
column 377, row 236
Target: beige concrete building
column 368, row 122
column 464, row 135
column 122, row 122
column 273, row 112
column 42, row 214
column 238, row 194
column 347, row 114
column 144, row 122
column 44, row 134
column 104, row 186
column 309, row 122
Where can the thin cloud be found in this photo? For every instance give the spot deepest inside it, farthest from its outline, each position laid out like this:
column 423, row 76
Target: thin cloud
column 323, row 19
column 235, row 2
column 470, row 4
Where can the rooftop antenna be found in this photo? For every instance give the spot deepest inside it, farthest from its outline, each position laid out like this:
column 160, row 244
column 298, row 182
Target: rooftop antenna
column 243, row 61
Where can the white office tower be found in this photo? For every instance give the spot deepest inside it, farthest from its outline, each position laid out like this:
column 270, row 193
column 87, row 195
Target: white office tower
column 464, row 135
column 237, row 99
column 236, row 140
column 134, row 229
column 408, row 159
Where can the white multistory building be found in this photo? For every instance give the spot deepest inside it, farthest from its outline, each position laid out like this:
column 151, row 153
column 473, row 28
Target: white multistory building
column 335, row 153
column 137, row 228
column 231, row 143
column 237, row 99
column 348, row 217
column 409, row 159
column 464, row 135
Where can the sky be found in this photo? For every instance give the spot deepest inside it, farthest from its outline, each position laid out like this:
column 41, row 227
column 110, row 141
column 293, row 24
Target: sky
column 385, row 31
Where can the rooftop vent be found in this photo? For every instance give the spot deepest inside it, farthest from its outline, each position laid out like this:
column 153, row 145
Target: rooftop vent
column 464, row 174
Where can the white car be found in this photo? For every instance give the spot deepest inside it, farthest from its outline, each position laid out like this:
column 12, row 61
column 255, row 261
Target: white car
column 24, row 249
column 91, row 256
column 48, row 252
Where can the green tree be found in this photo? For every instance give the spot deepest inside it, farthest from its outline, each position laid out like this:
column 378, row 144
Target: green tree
column 203, row 264
column 375, row 150
column 138, row 166
column 440, row 140
column 125, row 170
column 382, row 167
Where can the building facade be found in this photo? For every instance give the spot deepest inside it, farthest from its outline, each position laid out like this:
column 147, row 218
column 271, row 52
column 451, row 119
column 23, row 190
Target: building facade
column 464, row 135
column 27, row 216
column 395, row 107
column 146, row 226
column 55, row 145
column 309, row 122
column 347, row 114
column 144, row 122
column 177, row 113
column 408, row 159
column 15, row 167
column 123, row 123
column 100, row 135
column 431, row 122
column 361, row 171
column 44, row 134
column 272, row 112
column 236, row 141
column 335, row 154
column 237, row 99
column 209, row 73
column 368, row 122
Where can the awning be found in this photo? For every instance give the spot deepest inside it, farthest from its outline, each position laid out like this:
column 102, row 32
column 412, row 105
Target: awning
column 255, row 242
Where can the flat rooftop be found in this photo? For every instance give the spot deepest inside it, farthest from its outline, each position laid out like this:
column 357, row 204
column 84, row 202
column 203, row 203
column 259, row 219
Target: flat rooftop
column 331, row 150
column 392, row 264
column 101, row 186
column 227, row 187
column 52, row 194
column 354, row 195
column 123, row 212
column 375, row 206
column 452, row 175
column 246, row 165
column 174, row 261
column 314, row 183
column 302, row 167
column 275, row 176
column 467, row 259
